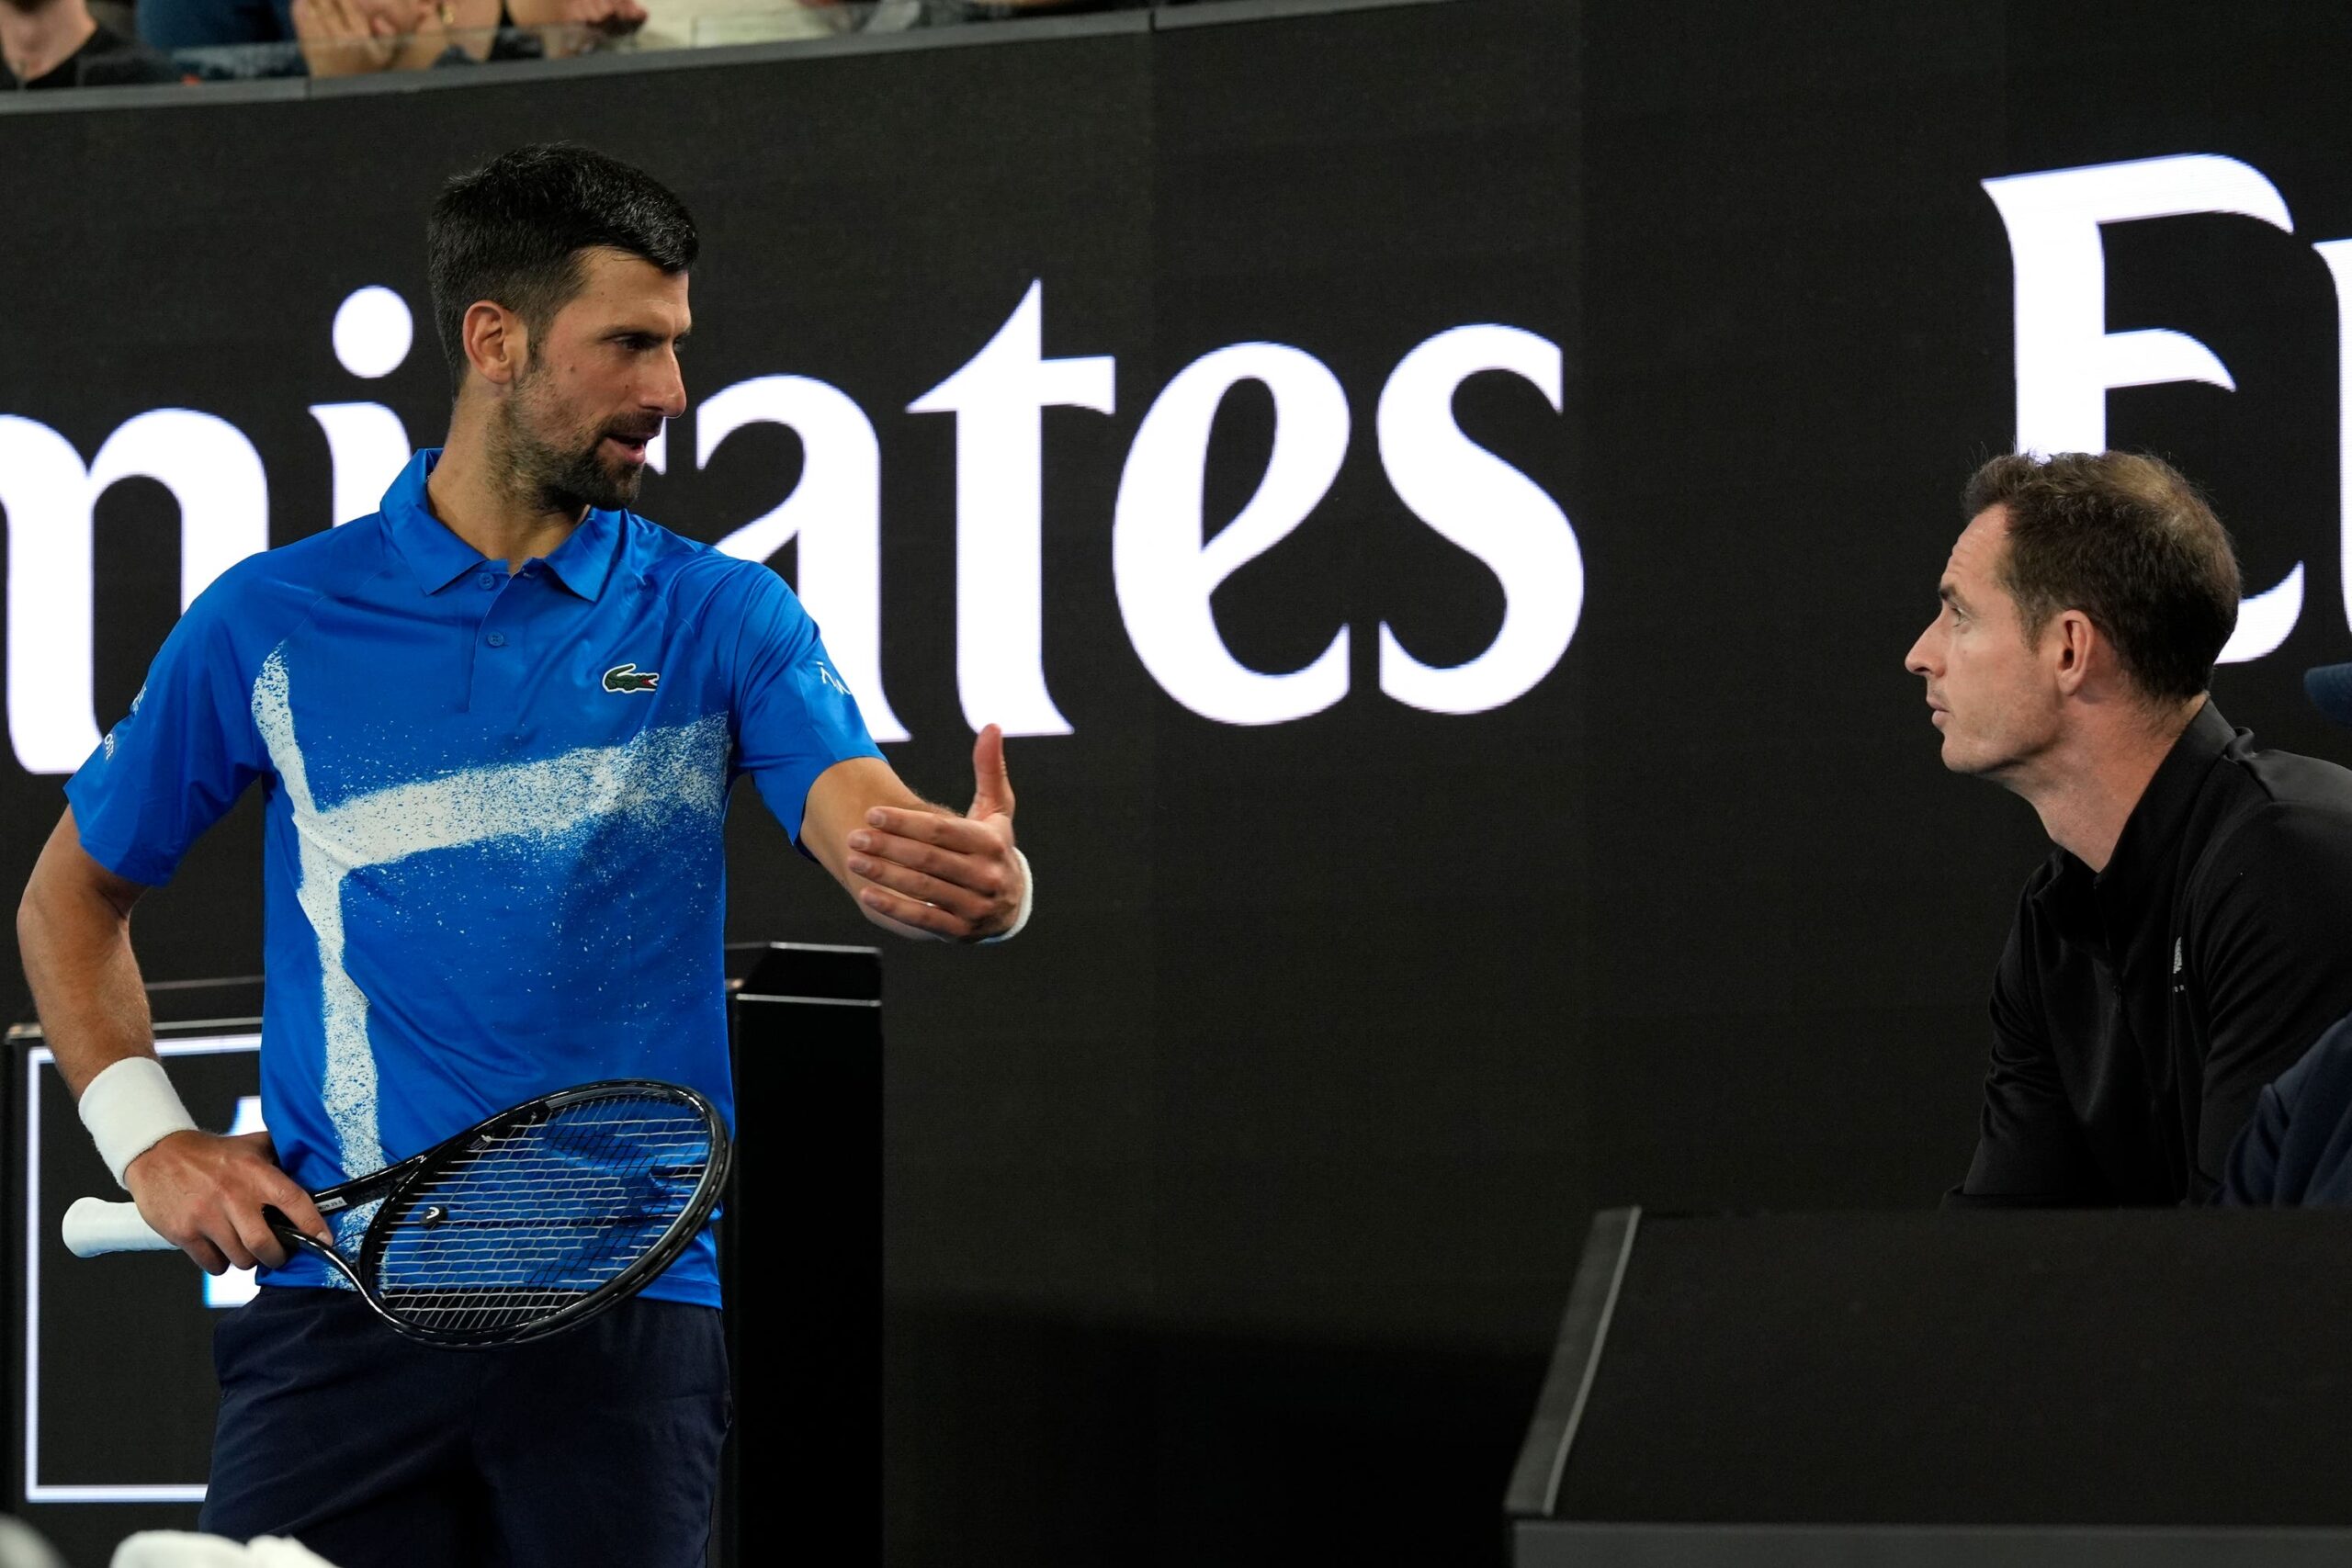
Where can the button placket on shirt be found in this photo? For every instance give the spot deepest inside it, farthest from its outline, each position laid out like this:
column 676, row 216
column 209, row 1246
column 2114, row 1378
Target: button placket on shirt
column 497, row 669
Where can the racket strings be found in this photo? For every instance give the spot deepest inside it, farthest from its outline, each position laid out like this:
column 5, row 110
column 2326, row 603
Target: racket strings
column 534, row 1216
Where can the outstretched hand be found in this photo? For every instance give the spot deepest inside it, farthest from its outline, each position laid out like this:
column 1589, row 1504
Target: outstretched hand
column 953, row 878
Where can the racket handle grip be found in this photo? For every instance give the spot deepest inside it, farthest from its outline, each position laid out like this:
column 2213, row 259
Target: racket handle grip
column 93, row 1225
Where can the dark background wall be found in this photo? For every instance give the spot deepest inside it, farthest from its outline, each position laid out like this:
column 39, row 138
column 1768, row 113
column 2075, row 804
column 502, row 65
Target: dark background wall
column 1229, row 1210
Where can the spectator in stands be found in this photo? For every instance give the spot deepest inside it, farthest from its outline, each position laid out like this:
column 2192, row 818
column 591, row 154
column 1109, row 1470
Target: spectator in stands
column 897, row 15
column 349, row 38
column 210, row 24
column 1001, row 10
column 343, row 38
column 57, row 43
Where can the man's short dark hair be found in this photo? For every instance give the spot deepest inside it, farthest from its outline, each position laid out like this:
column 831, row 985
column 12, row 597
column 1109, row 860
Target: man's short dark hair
column 513, row 231
column 2127, row 540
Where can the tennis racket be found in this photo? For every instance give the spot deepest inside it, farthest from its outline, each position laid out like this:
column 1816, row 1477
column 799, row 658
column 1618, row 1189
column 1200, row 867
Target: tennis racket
column 528, row 1224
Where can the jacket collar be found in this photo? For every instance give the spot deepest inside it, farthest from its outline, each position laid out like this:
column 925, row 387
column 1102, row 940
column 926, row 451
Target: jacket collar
column 2103, row 912
column 2150, row 844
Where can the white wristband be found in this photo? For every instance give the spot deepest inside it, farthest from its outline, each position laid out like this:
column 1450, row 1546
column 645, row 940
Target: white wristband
column 1019, row 916
column 130, row 1108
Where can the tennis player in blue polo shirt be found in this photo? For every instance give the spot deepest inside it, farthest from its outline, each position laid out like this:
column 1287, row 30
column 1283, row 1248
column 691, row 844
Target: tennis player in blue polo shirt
column 496, row 724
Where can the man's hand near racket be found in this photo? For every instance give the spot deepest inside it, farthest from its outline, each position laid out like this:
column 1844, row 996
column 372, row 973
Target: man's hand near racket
column 205, row 1194
column 919, row 869
column 202, row 1191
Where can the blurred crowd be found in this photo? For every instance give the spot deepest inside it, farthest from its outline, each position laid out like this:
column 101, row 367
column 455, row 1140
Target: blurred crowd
column 47, row 44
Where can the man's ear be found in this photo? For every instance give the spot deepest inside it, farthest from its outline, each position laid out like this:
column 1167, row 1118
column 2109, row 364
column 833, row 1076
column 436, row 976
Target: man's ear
column 2073, row 646
column 496, row 341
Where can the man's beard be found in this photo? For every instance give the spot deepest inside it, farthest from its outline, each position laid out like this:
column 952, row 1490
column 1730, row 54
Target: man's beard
column 562, row 475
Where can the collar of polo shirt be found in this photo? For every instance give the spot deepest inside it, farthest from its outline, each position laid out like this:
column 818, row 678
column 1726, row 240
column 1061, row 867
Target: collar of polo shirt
column 582, row 563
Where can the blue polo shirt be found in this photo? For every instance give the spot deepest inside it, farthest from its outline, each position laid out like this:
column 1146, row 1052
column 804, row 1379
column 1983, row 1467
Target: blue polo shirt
column 493, row 857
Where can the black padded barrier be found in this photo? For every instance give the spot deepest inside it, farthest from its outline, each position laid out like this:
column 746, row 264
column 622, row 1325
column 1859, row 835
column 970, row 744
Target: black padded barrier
column 2041, row 1391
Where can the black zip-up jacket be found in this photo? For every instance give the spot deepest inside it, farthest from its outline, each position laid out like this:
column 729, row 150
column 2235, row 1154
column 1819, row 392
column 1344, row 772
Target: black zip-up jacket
column 2139, row 1011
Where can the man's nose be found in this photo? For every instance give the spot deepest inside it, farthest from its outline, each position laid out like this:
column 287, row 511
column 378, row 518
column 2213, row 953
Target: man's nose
column 1917, row 660
column 668, row 393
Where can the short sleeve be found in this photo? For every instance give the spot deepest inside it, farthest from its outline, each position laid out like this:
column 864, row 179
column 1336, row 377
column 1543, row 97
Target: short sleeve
column 177, row 761
column 794, row 713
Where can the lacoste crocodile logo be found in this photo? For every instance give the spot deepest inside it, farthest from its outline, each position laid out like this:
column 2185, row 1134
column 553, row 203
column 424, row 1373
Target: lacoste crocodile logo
column 629, row 678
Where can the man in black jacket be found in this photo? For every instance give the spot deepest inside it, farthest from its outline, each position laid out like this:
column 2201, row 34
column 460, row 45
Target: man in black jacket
column 2185, row 943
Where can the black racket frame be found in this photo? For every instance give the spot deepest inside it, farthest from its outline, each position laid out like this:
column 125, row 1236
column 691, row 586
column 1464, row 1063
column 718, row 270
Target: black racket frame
column 391, row 1182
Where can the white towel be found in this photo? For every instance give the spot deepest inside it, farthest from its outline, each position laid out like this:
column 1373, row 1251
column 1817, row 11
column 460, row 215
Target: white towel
column 20, row 1547
column 179, row 1549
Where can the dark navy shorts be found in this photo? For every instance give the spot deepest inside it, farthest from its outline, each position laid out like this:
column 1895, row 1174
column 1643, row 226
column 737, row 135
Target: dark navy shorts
column 600, row 1445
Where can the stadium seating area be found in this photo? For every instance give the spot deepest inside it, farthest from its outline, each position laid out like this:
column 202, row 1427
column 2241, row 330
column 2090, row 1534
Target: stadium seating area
column 47, row 44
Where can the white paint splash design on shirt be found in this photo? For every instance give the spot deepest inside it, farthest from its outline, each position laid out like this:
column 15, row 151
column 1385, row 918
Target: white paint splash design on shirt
column 656, row 773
